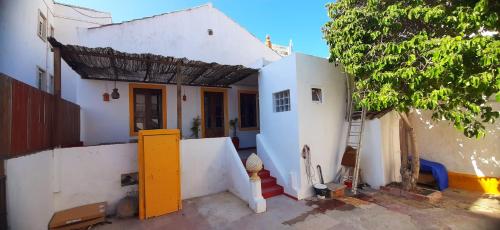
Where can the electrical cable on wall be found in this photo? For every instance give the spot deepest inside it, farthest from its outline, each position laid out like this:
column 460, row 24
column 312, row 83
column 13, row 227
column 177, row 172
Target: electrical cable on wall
column 306, row 154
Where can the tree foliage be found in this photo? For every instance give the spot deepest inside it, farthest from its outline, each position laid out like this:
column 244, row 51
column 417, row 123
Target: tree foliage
column 437, row 55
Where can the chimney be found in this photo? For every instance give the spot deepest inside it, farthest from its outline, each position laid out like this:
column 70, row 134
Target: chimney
column 268, row 41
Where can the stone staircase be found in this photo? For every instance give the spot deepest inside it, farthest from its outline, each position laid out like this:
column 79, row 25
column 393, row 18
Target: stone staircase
column 268, row 183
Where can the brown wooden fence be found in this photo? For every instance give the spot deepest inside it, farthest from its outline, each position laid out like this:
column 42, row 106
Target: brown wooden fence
column 28, row 116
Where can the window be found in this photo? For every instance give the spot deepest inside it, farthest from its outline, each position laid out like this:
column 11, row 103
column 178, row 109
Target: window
column 42, row 26
column 248, row 110
column 281, row 101
column 147, row 107
column 51, row 84
column 51, row 33
column 41, row 79
column 317, row 95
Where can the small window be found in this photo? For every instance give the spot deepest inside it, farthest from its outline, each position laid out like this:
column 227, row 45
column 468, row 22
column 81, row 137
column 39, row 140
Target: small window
column 51, row 33
column 42, row 26
column 248, row 108
column 281, row 101
column 51, row 84
column 317, row 95
column 41, row 79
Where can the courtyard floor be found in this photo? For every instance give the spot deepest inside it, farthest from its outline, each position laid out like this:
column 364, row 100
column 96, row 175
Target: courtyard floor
column 457, row 210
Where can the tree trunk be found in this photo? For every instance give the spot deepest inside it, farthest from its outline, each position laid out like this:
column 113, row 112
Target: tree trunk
column 410, row 167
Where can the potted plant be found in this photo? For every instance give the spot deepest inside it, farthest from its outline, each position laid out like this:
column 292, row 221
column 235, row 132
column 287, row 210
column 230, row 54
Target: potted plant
column 236, row 141
column 195, row 128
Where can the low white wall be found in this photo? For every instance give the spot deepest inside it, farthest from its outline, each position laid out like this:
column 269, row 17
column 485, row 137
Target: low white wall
column 54, row 180
column 29, row 191
column 204, row 167
column 441, row 142
column 85, row 175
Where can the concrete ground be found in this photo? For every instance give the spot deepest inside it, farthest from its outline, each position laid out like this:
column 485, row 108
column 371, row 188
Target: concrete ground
column 457, row 210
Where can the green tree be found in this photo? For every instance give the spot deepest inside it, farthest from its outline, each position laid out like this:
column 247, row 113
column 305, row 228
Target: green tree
column 436, row 55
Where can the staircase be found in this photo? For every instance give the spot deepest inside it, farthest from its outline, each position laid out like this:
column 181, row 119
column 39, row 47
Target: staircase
column 267, row 183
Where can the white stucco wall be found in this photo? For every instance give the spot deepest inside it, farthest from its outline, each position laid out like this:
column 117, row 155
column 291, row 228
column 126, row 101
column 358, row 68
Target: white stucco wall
column 441, row 142
column 380, row 158
column 42, row 183
column 279, row 131
column 320, row 124
column 108, row 122
column 29, row 191
column 183, row 34
column 68, row 21
column 22, row 49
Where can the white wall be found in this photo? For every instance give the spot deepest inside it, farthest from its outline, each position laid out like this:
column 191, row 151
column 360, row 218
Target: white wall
column 108, row 122
column 68, row 21
column 183, row 34
column 380, row 159
column 49, row 181
column 279, row 132
column 85, row 175
column 29, row 191
column 441, row 142
column 204, row 167
column 22, row 49
column 320, row 124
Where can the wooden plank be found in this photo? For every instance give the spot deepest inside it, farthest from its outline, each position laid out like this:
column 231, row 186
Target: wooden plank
column 5, row 115
column 19, row 126
column 179, row 97
column 57, row 95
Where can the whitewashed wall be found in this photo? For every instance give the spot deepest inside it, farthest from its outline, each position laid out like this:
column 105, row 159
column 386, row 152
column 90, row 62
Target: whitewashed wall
column 29, row 191
column 108, row 122
column 279, row 137
column 40, row 184
column 22, row 49
column 320, row 124
column 71, row 19
column 184, row 33
column 380, row 159
column 441, row 142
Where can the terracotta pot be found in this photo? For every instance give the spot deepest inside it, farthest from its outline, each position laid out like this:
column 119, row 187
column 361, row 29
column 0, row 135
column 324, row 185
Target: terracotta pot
column 236, row 142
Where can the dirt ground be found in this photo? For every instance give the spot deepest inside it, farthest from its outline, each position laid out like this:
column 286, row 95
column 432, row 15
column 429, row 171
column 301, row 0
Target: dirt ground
column 456, row 210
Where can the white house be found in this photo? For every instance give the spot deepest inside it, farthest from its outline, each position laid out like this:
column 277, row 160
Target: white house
column 285, row 101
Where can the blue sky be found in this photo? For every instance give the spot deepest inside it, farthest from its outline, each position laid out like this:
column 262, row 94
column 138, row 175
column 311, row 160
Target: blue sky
column 298, row 20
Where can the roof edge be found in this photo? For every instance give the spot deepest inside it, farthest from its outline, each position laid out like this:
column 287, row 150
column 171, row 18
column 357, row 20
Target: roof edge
column 81, row 7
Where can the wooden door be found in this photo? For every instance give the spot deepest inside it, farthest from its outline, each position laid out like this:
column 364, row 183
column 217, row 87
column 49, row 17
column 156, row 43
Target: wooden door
column 214, row 114
column 159, row 172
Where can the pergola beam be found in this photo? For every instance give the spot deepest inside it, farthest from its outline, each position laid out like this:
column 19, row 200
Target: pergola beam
column 179, row 95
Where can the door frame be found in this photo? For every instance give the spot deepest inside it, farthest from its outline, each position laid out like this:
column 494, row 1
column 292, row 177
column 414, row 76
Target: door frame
column 226, row 110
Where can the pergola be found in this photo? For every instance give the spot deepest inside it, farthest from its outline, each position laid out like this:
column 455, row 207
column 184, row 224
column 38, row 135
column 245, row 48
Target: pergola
column 112, row 65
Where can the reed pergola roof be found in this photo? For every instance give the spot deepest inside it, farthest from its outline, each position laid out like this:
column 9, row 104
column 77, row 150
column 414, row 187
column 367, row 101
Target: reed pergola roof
column 112, row 65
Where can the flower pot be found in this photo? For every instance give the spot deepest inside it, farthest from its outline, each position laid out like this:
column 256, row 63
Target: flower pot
column 236, row 142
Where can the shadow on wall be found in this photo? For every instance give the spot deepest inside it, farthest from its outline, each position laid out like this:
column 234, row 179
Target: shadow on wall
column 441, row 142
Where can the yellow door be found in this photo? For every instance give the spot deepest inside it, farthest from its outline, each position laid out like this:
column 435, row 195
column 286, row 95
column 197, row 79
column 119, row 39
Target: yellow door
column 159, row 172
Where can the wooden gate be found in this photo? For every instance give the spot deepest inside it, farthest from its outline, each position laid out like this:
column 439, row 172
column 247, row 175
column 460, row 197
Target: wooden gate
column 159, row 172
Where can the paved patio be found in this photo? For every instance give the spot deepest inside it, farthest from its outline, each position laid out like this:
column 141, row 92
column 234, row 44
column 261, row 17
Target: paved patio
column 457, row 210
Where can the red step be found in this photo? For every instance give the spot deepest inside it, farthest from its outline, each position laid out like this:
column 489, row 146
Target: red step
column 268, row 183
column 272, row 191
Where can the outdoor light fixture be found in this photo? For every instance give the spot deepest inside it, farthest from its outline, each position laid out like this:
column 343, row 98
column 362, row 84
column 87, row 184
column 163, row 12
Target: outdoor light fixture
column 184, row 98
column 115, row 94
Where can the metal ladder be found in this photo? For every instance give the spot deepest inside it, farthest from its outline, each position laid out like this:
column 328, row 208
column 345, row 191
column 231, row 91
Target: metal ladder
column 354, row 132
